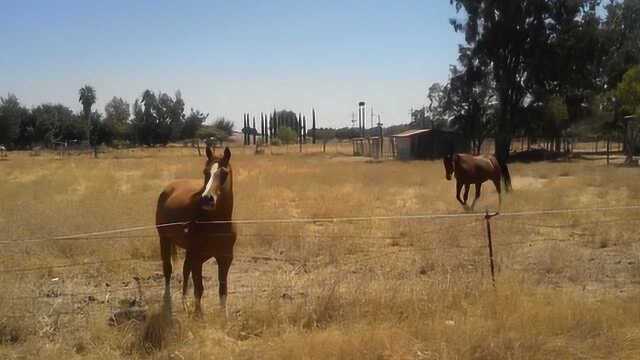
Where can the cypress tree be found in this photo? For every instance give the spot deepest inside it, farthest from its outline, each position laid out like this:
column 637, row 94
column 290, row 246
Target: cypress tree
column 313, row 125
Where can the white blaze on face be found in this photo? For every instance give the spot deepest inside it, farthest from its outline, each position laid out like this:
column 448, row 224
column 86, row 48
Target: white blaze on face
column 212, row 188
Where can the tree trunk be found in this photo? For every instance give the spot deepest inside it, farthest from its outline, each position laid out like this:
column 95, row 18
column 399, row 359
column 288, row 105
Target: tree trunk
column 503, row 136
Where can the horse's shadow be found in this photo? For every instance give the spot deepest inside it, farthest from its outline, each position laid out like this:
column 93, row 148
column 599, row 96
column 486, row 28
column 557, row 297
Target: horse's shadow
column 158, row 325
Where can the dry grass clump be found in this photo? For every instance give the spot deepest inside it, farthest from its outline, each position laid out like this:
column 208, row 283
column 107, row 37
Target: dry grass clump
column 567, row 284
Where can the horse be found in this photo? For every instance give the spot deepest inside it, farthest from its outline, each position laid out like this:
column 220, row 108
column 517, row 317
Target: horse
column 3, row 151
column 470, row 169
column 207, row 209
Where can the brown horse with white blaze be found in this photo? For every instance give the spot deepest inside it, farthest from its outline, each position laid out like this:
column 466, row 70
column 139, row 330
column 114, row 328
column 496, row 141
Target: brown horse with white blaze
column 207, row 208
column 469, row 169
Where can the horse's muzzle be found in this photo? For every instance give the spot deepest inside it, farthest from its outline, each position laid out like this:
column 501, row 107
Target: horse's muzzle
column 207, row 202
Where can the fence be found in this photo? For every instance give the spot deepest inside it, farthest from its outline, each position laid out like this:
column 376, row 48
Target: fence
column 472, row 222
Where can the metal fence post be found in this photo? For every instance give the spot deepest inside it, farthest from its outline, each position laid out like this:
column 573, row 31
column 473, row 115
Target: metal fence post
column 487, row 218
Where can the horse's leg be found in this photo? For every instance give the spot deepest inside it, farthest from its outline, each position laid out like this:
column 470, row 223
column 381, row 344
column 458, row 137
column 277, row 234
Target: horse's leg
column 224, row 263
column 198, row 288
column 186, row 272
column 466, row 192
column 458, row 188
column 166, row 248
column 478, row 187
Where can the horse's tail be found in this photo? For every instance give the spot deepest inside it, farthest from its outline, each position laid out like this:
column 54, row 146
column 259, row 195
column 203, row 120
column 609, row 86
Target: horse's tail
column 505, row 174
column 168, row 249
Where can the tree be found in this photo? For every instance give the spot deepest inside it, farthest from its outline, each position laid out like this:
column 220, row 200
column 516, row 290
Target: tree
column 145, row 122
column 347, row 133
column 628, row 97
column 621, row 31
column 52, row 123
column 158, row 119
column 100, row 132
column 117, row 114
column 211, row 132
column 573, row 59
column 287, row 118
column 628, row 91
column 470, row 100
column 12, row 114
column 192, row 123
column 224, row 125
column 324, row 135
column 174, row 110
column 504, row 35
column 87, row 99
column 436, row 112
column 287, row 135
column 313, row 126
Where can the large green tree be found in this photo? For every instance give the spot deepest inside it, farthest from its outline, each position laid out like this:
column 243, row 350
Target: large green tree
column 470, row 100
column 627, row 95
column 117, row 114
column 500, row 33
column 158, row 119
column 621, row 32
column 192, row 123
column 535, row 50
column 53, row 123
column 11, row 115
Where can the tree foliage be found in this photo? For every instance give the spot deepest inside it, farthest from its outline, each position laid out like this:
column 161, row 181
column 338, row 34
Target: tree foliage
column 12, row 114
column 192, row 123
column 87, row 98
column 116, row 121
column 628, row 91
column 224, row 125
column 158, row 119
column 540, row 56
column 287, row 135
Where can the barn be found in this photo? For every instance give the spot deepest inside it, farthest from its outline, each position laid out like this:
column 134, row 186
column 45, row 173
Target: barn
column 427, row 144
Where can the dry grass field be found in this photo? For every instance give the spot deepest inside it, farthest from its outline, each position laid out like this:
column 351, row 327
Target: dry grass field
column 567, row 284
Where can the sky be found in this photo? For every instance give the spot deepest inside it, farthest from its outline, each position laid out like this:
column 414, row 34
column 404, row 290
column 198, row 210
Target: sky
column 231, row 57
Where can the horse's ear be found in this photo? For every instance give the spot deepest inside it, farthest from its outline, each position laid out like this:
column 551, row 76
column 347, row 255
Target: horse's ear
column 209, row 153
column 226, row 157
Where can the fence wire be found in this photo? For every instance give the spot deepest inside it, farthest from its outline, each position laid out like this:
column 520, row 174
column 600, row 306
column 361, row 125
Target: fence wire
column 476, row 218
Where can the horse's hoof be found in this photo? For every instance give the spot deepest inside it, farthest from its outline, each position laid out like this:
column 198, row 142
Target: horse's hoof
column 198, row 315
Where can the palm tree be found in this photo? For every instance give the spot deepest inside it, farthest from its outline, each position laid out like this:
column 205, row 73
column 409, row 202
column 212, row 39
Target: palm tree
column 87, row 98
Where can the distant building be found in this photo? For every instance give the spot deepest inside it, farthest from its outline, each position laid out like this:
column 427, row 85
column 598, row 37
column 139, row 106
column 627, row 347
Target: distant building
column 427, row 144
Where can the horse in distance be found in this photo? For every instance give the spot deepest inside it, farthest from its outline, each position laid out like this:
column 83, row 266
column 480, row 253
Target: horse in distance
column 469, row 169
column 206, row 206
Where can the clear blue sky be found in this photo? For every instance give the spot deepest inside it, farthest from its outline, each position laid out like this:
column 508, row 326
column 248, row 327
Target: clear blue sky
column 231, row 57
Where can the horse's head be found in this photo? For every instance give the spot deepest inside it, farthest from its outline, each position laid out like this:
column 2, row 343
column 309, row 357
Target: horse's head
column 448, row 165
column 217, row 173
